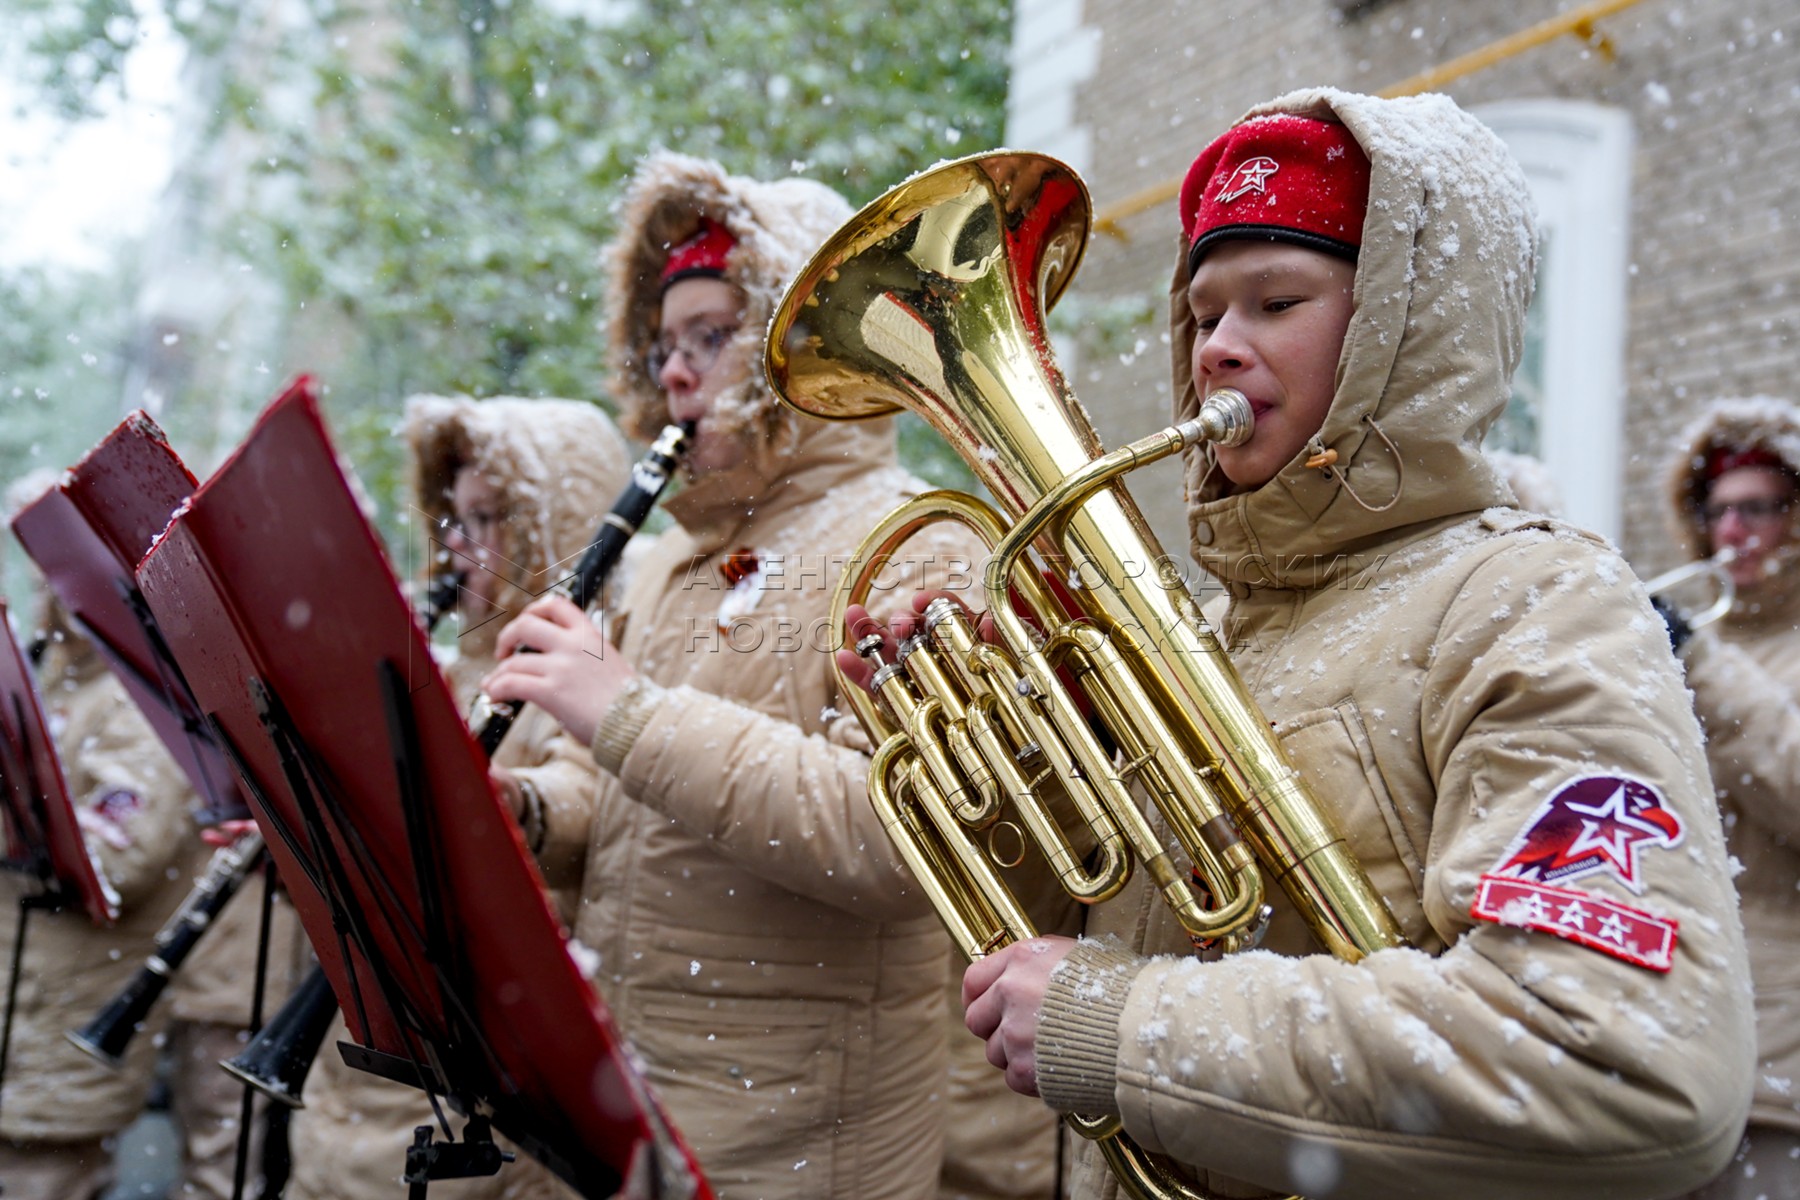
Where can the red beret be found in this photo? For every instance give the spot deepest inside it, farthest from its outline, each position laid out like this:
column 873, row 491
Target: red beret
column 1723, row 458
column 1282, row 178
column 704, row 253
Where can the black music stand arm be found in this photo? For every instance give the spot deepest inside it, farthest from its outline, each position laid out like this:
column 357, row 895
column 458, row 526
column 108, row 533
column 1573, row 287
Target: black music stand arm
column 50, row 900
column 476, row 1154
column 455, row 979
column 444, row 1065
column 240, row 1170
column 180, row 698
column 321, row 809
column 309, row 846
column 421, row 831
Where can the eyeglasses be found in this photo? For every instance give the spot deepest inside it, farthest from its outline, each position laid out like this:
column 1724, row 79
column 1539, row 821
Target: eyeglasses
column 478, row 527
column 700, row 345
column 1755, row 510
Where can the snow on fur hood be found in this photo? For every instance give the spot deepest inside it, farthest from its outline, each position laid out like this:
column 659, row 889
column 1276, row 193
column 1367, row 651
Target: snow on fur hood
column 777, row 226
column 1732, row 423
column 1446, row 271
column 557, row 464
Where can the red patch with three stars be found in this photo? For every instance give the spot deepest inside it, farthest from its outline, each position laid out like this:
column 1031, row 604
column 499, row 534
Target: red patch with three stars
column 1629, row 934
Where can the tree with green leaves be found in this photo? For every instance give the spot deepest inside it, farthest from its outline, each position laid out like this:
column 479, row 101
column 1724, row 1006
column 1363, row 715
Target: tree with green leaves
column 435, row 178
column 63, row 337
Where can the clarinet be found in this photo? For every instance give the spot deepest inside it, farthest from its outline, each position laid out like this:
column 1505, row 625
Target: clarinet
column 649, row 476
column 110, row 1032
column 440, row 597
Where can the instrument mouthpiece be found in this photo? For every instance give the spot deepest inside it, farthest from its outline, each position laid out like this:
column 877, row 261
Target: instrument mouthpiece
column 1225, row 418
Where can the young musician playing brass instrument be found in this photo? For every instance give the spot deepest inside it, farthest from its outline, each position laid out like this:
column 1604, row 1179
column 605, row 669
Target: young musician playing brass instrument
column 1482, row 698
column 752, row 931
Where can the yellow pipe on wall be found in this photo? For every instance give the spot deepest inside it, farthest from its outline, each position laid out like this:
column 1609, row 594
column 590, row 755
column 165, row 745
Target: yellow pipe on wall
column 1577, row 21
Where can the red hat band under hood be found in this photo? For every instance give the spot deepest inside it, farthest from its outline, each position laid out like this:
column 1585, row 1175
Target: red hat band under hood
column 706, row 255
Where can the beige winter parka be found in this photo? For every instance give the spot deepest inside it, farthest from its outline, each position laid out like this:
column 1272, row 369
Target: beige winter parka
column 776, row 968
column 1445, row 672
column 558, row 465
column 1745, row 675
column 136, row 815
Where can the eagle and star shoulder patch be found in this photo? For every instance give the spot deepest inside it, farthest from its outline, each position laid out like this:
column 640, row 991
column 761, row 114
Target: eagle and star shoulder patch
column 1594, row 825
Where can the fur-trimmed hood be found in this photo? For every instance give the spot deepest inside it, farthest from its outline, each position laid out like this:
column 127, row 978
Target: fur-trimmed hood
column 1733, row 423
column 1449, row 253
column 557, row 464
column 777, row 226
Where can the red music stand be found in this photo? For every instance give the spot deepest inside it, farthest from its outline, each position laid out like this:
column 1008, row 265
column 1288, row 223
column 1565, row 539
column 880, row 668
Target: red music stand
column 42, row 836
column 425, row 909
column 87, row 534
column 37, row 820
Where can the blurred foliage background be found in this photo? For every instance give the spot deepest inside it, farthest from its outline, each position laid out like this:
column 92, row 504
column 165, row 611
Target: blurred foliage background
column 408, row 196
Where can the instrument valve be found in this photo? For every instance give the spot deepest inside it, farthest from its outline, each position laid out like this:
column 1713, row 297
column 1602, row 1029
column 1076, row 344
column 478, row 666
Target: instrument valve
column 940, row 610
column 884, row 673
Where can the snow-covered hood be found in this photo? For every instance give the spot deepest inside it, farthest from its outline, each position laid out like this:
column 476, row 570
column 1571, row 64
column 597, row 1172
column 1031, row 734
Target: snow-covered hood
column 557, row 464
column 1734, row 423
column 778, row 226
column 1442, row 284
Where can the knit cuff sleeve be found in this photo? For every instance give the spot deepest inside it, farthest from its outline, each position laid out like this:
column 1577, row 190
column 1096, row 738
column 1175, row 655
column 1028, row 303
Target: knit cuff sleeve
column 624, row 720
column 1078, row 1029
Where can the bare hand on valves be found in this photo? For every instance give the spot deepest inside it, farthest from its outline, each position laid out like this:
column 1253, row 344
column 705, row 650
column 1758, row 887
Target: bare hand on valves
column 859, row 624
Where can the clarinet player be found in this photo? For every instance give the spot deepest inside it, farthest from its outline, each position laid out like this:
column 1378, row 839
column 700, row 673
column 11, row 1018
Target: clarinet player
column 775, row 967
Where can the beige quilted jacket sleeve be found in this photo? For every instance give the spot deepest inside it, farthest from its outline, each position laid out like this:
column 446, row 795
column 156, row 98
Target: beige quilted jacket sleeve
column 788, row 806
column 1752, row 730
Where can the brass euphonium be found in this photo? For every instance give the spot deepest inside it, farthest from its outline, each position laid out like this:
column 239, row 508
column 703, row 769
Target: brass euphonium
column 931, row 299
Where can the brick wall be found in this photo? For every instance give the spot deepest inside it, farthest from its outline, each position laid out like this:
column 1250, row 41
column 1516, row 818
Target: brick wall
column 1713, row 92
